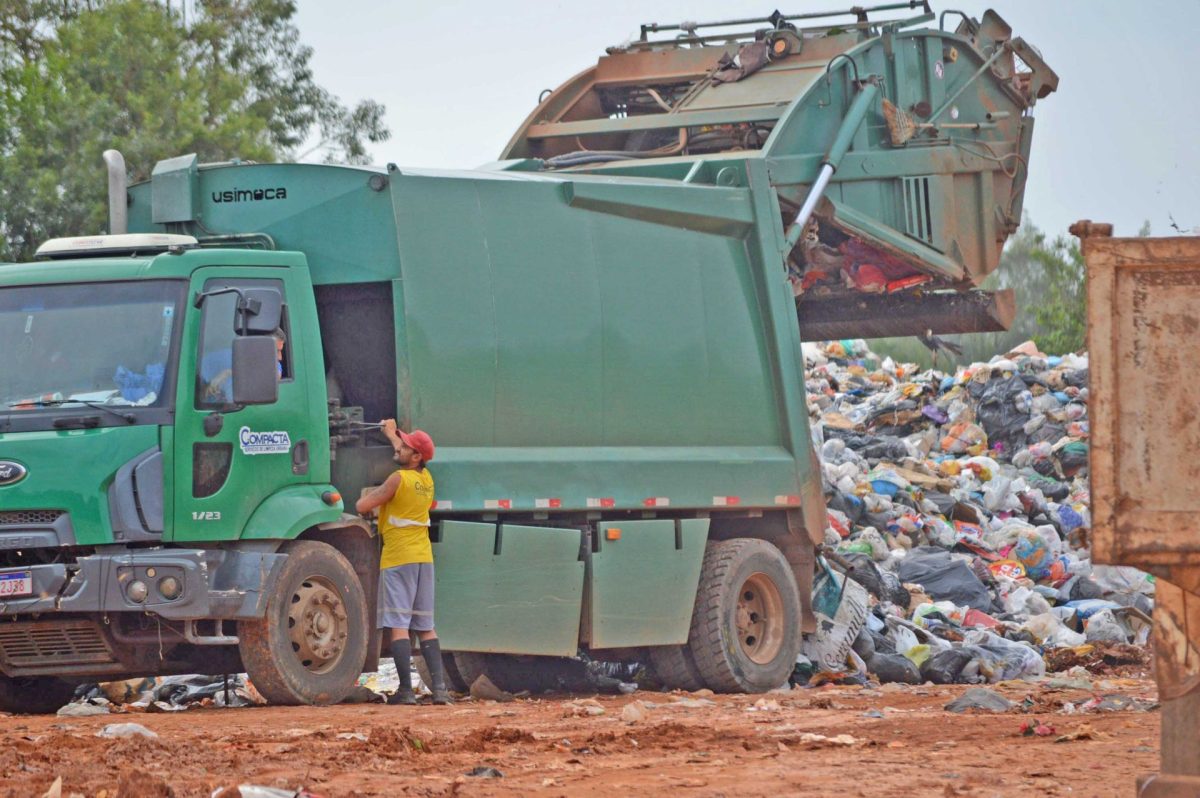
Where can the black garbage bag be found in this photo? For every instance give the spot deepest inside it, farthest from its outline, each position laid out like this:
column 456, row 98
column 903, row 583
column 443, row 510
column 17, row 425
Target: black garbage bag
column 885, row 448
column 946, row 667
column 1052, row 489
column 877, row 447
column 997, row 413
column 893, row 668
column 944, row 578
column 1049, row 432
column 881, row 584
column 943, row 501
column 883, row 644
column 1084, row 588
column 1077, row 378
column 864, row 645
column 850, row 505
column 1074, row 455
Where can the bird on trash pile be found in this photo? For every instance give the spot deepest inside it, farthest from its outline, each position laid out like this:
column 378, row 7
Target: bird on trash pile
column 937, row 345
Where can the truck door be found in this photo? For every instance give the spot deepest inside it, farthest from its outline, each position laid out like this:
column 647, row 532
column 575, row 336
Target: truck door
column 228, row 460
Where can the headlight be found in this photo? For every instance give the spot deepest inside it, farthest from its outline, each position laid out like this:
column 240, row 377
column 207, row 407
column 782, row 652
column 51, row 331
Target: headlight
column 169, row 587
column 137, row 591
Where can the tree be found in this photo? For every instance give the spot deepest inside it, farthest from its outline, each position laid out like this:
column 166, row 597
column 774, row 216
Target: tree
column 80, row 76
column 1061, row 311
column 1048, row 282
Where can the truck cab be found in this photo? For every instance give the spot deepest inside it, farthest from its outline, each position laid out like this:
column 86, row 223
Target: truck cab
column 158, row 445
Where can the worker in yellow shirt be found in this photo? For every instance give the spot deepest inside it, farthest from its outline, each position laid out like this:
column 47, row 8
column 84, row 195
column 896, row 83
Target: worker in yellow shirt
column 406, row 578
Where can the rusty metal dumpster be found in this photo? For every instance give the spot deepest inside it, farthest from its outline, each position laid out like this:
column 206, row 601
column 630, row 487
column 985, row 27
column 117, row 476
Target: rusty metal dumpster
column 1144, row 341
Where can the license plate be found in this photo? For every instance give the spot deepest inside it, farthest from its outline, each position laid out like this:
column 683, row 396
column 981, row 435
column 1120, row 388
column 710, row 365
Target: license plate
column 16, row 583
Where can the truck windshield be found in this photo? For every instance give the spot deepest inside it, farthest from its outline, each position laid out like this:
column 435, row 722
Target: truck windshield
column 83, row 344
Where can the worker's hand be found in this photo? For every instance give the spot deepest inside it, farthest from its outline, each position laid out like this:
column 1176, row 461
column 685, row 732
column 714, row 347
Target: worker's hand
column 216, row 389
column 389, row 426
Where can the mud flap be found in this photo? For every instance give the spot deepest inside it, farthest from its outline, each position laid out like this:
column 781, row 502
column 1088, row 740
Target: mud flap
column 801, row 555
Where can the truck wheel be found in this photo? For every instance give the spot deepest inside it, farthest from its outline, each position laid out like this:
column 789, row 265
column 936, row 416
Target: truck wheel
column 34, row 695
column 745, row 631
column 510, row 672
column 310, row 646
column 470, row 666
column 673, row 667
column 454, row 679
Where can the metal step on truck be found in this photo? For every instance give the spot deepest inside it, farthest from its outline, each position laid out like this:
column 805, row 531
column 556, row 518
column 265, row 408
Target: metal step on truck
column 602, row 331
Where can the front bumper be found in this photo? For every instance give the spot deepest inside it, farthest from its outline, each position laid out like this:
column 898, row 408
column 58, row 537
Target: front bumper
column 216, row 583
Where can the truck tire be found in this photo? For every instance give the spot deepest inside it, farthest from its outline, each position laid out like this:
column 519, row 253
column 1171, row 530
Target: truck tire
column 310, row 646
column 673, row 667
column 34, row 695
column 509, row 672
column 454, row 680
column 470, row 666
column 745, row 633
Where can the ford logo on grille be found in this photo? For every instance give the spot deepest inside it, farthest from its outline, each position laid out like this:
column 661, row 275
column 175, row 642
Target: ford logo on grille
column 11, row 473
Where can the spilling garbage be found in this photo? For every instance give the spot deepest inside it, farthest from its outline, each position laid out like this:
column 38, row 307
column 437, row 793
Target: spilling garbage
column 957, row 548
column 163, row 694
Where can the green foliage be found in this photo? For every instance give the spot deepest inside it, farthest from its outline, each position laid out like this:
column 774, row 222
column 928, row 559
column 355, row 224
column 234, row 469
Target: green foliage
column 1061, row 311
column 1047, row 279
column 78, row 77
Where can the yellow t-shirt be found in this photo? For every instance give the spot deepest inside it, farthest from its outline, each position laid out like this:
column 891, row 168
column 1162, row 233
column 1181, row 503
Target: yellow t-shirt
column 404, row 520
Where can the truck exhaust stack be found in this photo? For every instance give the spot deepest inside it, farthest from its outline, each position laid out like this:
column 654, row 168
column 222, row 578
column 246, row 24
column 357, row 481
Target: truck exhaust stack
column 118, row 209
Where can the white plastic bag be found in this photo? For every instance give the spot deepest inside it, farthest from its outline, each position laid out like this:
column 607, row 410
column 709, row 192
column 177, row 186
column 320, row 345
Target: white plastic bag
column 1007, row 659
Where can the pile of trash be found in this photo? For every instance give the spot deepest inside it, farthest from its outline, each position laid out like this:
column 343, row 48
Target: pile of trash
column 162, row 694
column 957, row 546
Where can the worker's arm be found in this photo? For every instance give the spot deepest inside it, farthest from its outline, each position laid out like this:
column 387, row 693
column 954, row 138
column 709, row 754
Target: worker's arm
column 389, row 429
column 377, row 497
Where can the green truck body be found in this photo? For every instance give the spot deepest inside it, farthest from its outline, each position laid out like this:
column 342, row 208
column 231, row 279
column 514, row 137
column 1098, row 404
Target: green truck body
column 606, row 351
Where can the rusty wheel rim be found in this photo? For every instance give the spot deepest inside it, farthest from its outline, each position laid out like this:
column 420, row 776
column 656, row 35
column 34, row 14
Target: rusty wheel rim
column 759, row 619
column 318, row 625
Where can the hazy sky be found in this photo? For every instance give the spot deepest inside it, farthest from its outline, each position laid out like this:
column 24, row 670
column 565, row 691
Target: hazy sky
column 1116, row 143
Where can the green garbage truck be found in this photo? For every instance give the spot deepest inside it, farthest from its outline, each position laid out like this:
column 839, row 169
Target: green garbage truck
column 601, row 331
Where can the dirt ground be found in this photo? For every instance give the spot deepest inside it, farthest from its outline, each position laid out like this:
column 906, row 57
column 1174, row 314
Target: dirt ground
column 901, row 743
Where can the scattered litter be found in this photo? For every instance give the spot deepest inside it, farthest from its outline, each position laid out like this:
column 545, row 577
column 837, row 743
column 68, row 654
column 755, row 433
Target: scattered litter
column 980, row 698
column 259, row 791
column 1083, row 732
column 582, row 707
column 485, row 773
column 811, row 740
column 1035, row 728
column 81, row 710
column 117, row 730
column 635, row 712
column 483, row 689
column 1117, row 703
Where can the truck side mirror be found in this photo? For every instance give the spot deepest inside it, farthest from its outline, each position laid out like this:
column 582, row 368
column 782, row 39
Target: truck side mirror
column 255, row 378
column 263, row 310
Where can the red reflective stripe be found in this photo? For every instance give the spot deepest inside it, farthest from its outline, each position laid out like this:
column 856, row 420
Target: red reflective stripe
column 657, row 501
column 606, row 501
column 727, row 501
column 547, row 503
column 789, row 499
column 497, row 504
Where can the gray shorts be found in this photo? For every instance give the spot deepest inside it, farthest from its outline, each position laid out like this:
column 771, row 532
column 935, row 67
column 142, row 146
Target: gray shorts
column 406, row 597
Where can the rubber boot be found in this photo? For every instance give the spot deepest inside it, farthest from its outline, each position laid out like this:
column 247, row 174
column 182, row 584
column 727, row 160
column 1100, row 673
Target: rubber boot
column 402, row 653
column 431, row 650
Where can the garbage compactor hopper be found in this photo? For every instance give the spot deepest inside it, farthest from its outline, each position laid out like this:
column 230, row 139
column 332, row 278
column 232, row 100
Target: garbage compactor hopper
column 897, row 155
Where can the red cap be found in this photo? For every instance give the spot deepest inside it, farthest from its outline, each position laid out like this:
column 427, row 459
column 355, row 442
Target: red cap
column 420, row 442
